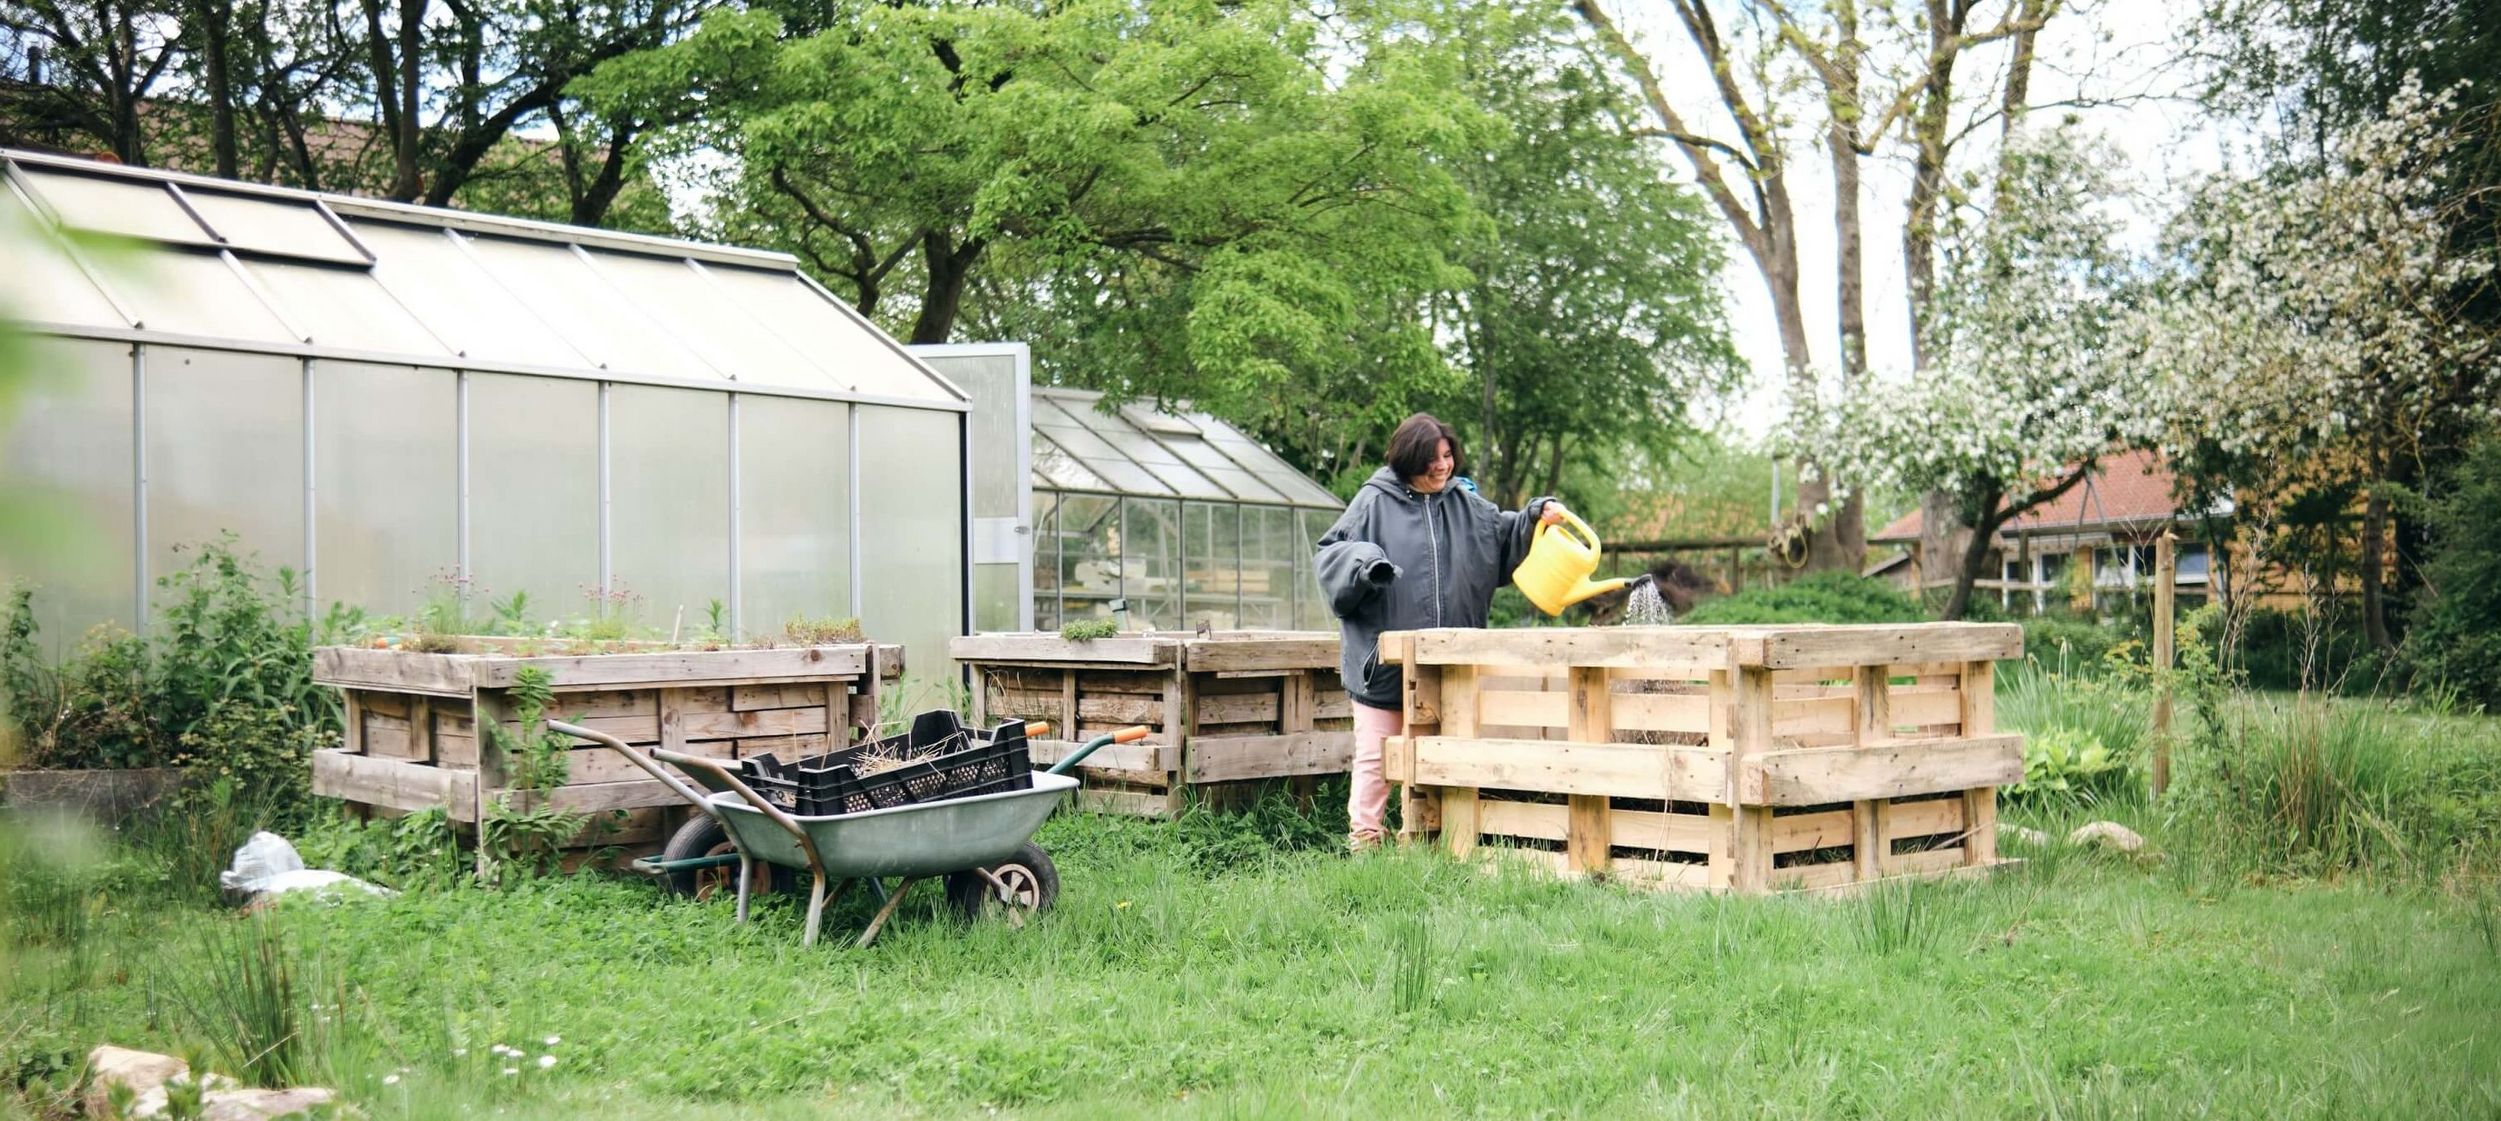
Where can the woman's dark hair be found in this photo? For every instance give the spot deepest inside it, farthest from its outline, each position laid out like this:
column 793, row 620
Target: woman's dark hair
column 1411, row 448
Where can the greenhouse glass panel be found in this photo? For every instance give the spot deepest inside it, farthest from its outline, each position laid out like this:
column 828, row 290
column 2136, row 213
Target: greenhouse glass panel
column 225, row 447
column 534, row 492
column 1054, row 467
column 115, row 206
column 724, row 334
column 47, row 287
column 1086, row 545
column 1046, row 573
column 458, row 301
column 187, row 292
column 566, row 292
column 836, row 342
column 1114, row 470
column 1242, row 483
column 1267, row 568
column 343, row 308
column 912, row 546
column 1211, row 545
column 386, row 467
column 794, row 511
column 668, row 503
column 69, row 447
column 1151, row 562
column 1310, row 612
column 281, row 227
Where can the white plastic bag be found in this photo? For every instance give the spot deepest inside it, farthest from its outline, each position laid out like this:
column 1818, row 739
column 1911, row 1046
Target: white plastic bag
column 267, row 865
column 265, row 855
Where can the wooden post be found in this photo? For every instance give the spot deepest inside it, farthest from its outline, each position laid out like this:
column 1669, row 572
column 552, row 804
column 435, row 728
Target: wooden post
column 2166, row 573
column 1459, row 718
column 1741, row 702
column 1979, row 693
column 1869, row 851
column 1588, row 835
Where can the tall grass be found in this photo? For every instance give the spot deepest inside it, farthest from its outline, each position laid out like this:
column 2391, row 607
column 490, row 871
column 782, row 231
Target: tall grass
column 269, row 1015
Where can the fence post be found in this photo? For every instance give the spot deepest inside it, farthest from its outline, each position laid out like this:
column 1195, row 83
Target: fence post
column 2166, row 572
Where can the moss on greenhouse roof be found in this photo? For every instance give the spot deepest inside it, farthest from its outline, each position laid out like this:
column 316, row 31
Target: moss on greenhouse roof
column 247, row 267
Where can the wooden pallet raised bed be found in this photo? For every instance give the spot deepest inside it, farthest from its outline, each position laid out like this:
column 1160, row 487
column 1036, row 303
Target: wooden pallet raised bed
column 412, row 741
column 1742, row 758
column 1249, row 706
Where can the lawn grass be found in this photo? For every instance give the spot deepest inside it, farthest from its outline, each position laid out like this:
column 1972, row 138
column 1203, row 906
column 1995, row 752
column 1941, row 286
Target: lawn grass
column 1308, row 983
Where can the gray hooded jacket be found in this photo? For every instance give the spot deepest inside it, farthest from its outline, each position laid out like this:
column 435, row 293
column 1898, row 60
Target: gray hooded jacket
column 1400, row 560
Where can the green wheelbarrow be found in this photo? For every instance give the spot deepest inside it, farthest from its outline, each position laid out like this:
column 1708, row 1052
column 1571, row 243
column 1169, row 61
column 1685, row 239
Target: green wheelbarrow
column 982, row 845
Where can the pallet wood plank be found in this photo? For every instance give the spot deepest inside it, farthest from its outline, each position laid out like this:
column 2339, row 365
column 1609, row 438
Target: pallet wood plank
column 1813, row 776
column 1926, row 818
column 1824, row 830
column 1887, row 644
column 1651, row 649
column 1556, row 767
column 1660, row 832
column 393, row 783
column 1459, row 820
column 1144, row 755
column 1010, row 648
column 1237, row 758
column 681, row 668
column 393, row 671
column 1979, row 697
column 386, row 737
column 1285, row 652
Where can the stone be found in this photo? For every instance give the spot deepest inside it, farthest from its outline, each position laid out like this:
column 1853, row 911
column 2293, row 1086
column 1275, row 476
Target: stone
column 144, row 1072
column 262, row 1105
column 2023, row 833
column 2108, row 833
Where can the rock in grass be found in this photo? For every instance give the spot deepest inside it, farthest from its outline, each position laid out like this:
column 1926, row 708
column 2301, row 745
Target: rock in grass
column 2109, row 833
column 145, row 1073
column 2023, row 833
column 262, row 1105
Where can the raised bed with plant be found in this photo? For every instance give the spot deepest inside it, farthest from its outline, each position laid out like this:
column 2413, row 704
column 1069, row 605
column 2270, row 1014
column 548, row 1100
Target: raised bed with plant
column 438, row 718
column 1732, row 758
column 1228, row 709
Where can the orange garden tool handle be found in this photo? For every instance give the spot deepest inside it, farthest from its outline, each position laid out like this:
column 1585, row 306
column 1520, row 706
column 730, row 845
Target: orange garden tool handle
column 1130, row 734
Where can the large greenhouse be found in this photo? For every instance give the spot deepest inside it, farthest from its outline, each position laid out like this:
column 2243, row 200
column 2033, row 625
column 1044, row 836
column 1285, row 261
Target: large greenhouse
column 1146, row 517
column 397, row 401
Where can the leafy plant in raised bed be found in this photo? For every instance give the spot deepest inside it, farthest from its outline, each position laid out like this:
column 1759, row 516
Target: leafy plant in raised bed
column 1087, row 630
column 537, row 759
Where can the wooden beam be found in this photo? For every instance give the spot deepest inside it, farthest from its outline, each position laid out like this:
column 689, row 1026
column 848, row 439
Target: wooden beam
column 1549, row 766
column 1236, row 758
column 1592, row 721
column 1035, row 647
column 1818, row 775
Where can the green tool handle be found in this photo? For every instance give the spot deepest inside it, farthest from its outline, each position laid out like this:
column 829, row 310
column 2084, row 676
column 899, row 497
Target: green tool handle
column 1130, row 734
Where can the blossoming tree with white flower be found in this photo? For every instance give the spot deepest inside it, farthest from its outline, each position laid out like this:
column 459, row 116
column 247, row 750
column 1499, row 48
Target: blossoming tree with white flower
column 2027, row 380
column 2305, row 338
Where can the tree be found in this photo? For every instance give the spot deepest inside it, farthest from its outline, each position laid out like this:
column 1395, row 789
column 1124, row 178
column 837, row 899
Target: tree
column 2309, row 335
column 2029, row 379
column 1592, row 322
column 93, row 64
column 1747, row 177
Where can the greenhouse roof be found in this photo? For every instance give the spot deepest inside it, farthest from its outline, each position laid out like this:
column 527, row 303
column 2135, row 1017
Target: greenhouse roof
column 247, row 267
column 1137, row 450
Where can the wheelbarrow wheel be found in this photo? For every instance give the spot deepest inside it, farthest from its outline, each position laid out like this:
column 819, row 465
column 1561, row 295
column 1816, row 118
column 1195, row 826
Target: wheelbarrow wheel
column 1031, row 884
column 702, row 836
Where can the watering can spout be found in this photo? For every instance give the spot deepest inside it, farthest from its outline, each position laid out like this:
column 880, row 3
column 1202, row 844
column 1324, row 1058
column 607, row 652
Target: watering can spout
column 1560, row 559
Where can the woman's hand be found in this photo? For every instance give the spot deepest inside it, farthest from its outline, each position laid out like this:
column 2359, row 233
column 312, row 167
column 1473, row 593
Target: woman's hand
column 1550, row 514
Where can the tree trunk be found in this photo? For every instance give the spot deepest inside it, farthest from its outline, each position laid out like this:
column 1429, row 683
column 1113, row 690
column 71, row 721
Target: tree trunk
column 2374, row 533
column 406, row 180
column 949, row 269
column 1975, row 559
column 214, row 18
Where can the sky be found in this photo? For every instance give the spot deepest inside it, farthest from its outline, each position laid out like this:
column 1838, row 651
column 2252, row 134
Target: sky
column 2094, row 49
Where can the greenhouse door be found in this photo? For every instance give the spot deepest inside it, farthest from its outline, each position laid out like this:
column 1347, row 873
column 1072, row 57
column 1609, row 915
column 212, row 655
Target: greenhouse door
column 999, row 379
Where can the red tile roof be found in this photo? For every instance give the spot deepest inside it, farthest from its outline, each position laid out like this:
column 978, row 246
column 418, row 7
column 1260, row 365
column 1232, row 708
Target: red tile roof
column 2127, row 489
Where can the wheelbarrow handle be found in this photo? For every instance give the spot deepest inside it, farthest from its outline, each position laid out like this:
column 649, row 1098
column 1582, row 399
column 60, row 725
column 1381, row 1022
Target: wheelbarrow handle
column 729, row 779
column 635, row 756
column 1130, row 734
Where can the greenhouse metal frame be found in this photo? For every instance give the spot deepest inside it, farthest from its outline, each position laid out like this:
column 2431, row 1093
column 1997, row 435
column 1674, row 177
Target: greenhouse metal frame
column 379, row 395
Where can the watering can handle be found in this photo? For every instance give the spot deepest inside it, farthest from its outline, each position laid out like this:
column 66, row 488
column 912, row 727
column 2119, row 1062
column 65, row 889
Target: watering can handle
column 1587, row 535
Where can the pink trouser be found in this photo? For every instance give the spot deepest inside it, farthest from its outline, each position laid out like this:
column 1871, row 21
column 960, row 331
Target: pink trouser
column 1368, row 801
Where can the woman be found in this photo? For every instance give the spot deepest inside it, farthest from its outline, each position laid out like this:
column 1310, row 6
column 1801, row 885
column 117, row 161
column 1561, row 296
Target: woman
column 1411, row 551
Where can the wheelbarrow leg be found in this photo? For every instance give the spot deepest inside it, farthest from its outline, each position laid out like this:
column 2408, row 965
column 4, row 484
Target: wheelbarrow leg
column 746, row 877
column 816, row 906
column 885, row 912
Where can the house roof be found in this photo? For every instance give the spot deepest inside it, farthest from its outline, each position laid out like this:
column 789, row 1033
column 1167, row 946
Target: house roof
column 1135, row 449
column 2125, row 490
column 240, row 266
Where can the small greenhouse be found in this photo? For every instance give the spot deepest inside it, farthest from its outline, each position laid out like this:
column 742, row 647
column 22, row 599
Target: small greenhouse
column 1150, row 518
column 392, row 400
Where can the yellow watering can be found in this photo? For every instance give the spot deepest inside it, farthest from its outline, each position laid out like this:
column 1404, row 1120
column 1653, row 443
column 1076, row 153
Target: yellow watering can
column 1560, row 559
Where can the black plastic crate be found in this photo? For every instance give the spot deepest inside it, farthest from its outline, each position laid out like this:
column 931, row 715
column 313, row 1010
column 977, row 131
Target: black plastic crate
column 832, row 784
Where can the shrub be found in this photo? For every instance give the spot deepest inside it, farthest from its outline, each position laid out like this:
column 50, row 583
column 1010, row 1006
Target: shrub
column 2455, row 641
column 2063, row 762
column 2072, row 645
column 2290, row 650
column 1822, row 597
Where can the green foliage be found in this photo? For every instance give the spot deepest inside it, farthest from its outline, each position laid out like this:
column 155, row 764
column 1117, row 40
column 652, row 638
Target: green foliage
column 416, row 852
column 1821, row 597
column 1086, row 630
column 2061, row 762
column 1898, row 917
column 2456, row 637
column 269, row 1016
column 528, row 837
column 2077, row 646
column 2306, row 650
column 225, row 680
